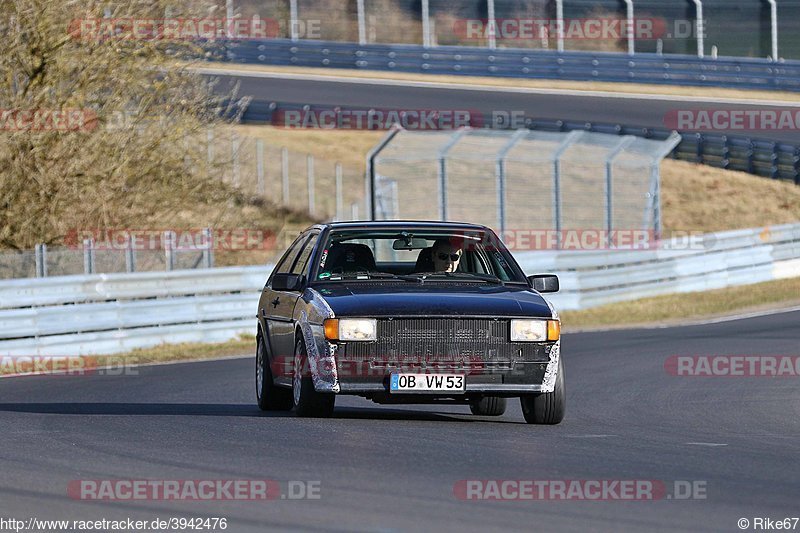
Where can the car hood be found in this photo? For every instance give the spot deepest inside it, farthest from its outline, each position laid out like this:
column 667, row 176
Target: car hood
column 378, row 298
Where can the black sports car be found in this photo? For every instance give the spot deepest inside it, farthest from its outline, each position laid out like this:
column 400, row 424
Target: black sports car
column 407, row 312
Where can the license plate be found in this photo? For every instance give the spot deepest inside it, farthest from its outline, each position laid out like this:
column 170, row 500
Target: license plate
column 427, row 383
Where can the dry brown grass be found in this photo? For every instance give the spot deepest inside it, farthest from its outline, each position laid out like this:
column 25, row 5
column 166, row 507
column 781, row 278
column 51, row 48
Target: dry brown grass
column 348, row 147
column 702, row 198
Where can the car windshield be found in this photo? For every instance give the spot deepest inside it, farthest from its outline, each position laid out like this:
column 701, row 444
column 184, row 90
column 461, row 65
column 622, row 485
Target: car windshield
column 416, row 255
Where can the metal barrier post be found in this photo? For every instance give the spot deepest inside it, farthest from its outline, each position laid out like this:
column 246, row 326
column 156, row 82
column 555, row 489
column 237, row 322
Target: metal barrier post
column 631, row 27
column 40, row 254
column 492, row 24
column 293, row 20
column 442, row 171
column 500, row 176
column 88, row 259
column 169, row 249
column 208, row 249
column 369, row 185
column 426, row 24
column 310, row 178
column 229, row 13
column 773, row 19
column 655, row 175
column 560, row 25
column 130, row 255
column 261, row 186
column 362, row 23
column 568, row 141
column 698, row 4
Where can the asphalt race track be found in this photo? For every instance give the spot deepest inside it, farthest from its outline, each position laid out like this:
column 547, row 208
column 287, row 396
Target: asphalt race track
column 394, row 468
column 625, row 109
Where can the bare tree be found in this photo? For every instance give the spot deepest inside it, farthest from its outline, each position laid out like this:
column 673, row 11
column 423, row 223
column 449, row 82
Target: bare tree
column 99, row 128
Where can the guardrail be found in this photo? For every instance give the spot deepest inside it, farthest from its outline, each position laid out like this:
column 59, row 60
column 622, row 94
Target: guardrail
column 742, row 73
column 713, row 261
column 109, row 313
column 761, row 157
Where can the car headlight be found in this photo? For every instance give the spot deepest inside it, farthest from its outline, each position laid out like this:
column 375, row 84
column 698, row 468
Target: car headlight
column 351, row 329
column 535, row 330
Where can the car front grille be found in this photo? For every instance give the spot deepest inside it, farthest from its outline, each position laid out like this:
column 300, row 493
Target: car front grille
column 445, row 341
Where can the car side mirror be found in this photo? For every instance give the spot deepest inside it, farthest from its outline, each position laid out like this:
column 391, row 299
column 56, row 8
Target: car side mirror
column 288, row 282
column 544, row 282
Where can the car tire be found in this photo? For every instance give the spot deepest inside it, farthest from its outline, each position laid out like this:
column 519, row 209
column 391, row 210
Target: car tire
column 547, row 407
column 488, row 406
column 269, row 396
column 307, row 402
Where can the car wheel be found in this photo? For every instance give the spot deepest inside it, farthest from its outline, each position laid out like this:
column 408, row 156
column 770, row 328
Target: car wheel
column 307, row 402
column 547, row 407
column 269, row 396
column 488, row 406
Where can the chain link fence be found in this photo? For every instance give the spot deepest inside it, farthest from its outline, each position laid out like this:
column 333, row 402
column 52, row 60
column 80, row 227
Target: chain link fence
column 522, row 180
column 743, row 28
column 326, row 190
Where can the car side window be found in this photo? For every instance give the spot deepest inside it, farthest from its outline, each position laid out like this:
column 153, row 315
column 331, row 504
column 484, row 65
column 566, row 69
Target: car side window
column 305, row 254
column 284, row 266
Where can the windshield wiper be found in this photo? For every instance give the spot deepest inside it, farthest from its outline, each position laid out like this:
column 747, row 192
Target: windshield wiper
column 371, row 275
column 387, row 275
column 488, row 278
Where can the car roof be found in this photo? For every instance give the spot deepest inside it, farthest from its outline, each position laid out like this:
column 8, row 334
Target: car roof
column 392, row 224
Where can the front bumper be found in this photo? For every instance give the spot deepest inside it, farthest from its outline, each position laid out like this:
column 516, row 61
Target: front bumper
column 494, row 389
column 524, row 374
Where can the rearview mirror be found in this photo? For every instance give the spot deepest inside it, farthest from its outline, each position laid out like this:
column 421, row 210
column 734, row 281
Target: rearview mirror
column 288, row 282
column 544, row 283
column 410, row 244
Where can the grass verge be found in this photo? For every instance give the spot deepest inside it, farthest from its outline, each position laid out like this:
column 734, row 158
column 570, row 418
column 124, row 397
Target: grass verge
column 677, row 308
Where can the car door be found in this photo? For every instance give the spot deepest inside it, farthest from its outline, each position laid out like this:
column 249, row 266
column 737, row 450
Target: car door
column 275, row 309
column 281, row 304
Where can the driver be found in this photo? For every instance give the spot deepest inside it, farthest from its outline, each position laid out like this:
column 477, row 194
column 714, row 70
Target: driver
column 446, row 255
